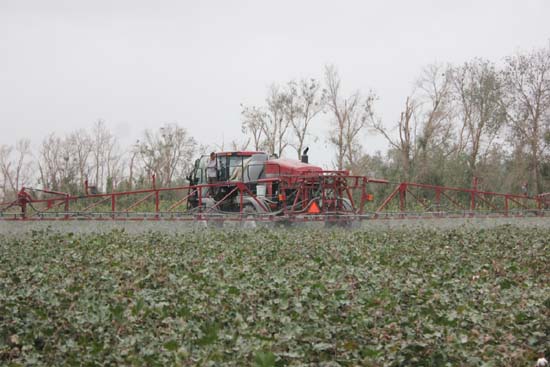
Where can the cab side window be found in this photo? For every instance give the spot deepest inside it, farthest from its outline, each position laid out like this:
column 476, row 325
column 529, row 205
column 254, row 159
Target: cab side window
column 222, row 168
column 255, row 168
column 201, row 170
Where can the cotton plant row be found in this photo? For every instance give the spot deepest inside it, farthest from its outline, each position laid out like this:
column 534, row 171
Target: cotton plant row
column 266, row 297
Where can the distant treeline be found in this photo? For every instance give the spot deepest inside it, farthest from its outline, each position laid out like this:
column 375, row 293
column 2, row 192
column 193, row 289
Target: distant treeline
column 480, row 119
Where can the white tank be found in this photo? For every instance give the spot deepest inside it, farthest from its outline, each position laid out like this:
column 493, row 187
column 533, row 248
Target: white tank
column 260, row 191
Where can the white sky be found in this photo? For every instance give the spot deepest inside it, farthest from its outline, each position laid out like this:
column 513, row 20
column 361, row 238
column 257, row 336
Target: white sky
column 139, row 64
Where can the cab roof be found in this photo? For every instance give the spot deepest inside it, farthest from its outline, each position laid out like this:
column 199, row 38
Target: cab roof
column 243, row 153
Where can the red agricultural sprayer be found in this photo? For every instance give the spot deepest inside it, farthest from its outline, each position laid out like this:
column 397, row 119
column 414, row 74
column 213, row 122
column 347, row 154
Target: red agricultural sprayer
column 249, row 185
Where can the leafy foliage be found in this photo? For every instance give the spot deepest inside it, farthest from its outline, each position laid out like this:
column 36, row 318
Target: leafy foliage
column 272, row 298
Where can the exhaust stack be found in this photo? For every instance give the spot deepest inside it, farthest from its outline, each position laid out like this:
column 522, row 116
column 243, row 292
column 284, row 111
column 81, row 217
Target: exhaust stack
column 305, row 158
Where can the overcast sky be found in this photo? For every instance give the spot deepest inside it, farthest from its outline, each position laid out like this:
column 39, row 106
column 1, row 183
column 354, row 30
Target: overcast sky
column 139, row 64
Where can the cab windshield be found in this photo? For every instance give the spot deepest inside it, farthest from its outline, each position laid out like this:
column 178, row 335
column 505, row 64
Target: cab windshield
column 234, row 167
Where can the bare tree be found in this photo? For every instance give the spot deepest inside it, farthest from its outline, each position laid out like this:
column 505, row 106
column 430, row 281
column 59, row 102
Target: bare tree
column 434, row 114
column 252, row 124
column 351, row 116
column 113, row 165
column 405, row 142
column 478, row 93
column 424, row 127
column 340, row 110
column 167, row 153
column 81, row 151
column 65, row 163
column 15, row 167
column 302, row 102
column 131, row 155
column 274, row 125
column 50, row 162
column 268, row 125
column 527, row 78
column 288, row 109
column 434, row 110
column 104, row 145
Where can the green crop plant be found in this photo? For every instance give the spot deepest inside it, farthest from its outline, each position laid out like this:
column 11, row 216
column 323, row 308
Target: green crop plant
column 264, row 297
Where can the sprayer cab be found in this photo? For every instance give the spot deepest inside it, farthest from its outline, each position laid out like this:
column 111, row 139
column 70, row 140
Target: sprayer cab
column 243, row 166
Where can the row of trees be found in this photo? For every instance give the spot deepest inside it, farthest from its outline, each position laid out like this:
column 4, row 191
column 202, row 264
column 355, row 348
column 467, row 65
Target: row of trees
column 459, row 122
column 286, row 119
column 64, row 163
column 478, row 119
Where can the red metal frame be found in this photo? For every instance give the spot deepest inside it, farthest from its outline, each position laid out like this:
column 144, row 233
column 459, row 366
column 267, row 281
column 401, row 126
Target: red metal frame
column 338, row 195
column 476, row 199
